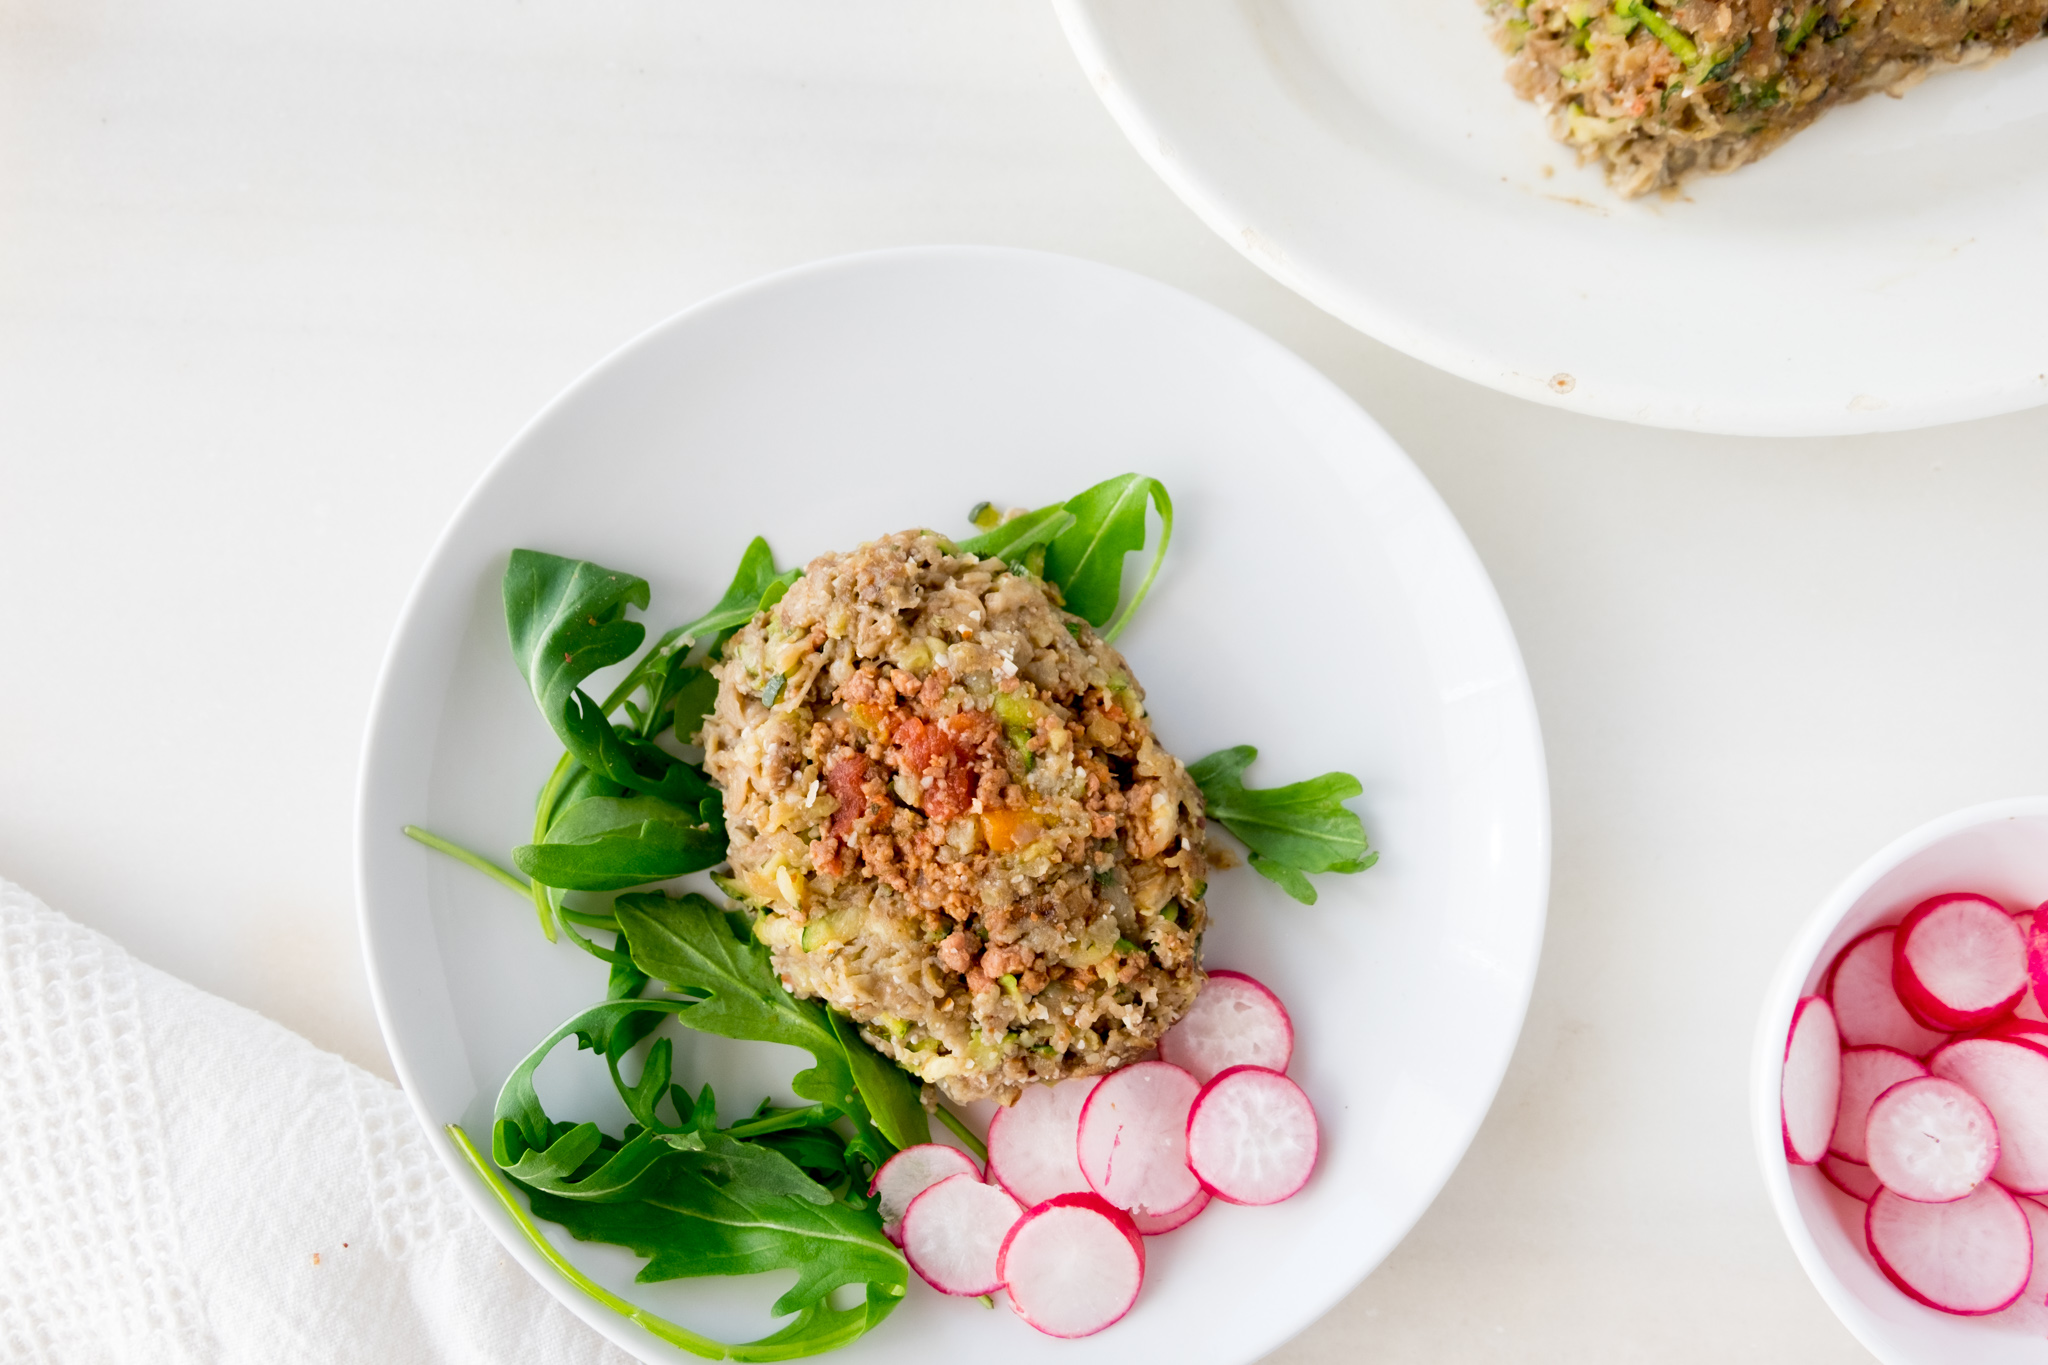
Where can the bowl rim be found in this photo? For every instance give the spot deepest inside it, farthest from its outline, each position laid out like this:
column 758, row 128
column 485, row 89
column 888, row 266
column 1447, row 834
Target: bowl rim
column 1775, row 1018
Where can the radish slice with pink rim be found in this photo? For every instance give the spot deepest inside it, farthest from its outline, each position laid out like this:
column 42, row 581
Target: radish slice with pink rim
column 1252, row 1136
column 1867, row 1008
column 1235, row 1021
column 1852, row 1178
column 2034, row 927
column 1133, row 1143
column 1073, row 1265
column 1159, row 1224
column 1970, row 1257
column 910, row 1173
column 953, row 1234
column 2030, row 1311
column 2011, row 1078
column 1867, row 1072
column 1959, row 961
column 1930, row 1140
column 1810, row 1090
column 1031, row 1144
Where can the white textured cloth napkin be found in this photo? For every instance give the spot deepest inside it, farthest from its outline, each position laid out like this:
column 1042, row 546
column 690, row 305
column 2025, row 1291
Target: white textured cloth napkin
column 184, row 1182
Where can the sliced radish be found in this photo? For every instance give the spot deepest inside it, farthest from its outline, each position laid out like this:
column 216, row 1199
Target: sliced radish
column 1867, row 1008
column 2016, row 1030
column 910, row 1173
column 1959, row 962
column 1073, row 1265
column 1235, row 1021
column 1158, row 1224
column 1972, row 1256
column 1133, row 1138
column 2030, row 1310
column 1931, row 1140
column 1852, row 1178
column 1252, row 1136
column 1811, row 1088
column 2034, row 927
column 1031, row 1144
column 1867, row 1072
column 2011, row 1078
column 954, row 1231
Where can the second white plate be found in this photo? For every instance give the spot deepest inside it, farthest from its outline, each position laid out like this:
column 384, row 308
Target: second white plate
column 1884, row 269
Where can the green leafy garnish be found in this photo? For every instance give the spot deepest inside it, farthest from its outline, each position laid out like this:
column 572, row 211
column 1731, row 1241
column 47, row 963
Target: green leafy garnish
column 1012, row 539
column 692, row 945
column 1087, row 559
column 606, row 843
column 1290, row 830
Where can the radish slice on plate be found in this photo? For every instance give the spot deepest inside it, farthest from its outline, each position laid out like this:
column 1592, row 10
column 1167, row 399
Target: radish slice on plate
column 1031, row 1144
column 1852, row 1178
column 953, row 1234
column 910, row 1173
column 1867, row 1072
column 1252, row 1136
column 1959, row 962
column 1930, row 1140
column 1811, row 1089
column 1972, row 1256
column 1158, row 1224
column 1133, row 1138
column 1073, row 1265
column 2011, row 1078
column 1234, row 1022
column 1867, row 1008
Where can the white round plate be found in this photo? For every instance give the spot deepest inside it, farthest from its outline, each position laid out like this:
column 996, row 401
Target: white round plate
column 1318, row 602
column 1884, row 269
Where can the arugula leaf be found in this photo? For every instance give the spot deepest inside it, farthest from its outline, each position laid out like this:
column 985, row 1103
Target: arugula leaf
column 611, row 843
column 892, row 1095
column 817, row 1327
column 691, row 944
column 1087, row 559
column 1012, row 539
column 1290, row 830
column 755, row 586
column 566, row 618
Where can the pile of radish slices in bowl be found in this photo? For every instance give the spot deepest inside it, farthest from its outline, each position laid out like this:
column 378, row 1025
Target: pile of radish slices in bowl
column 1080, row 1173
column 1917, row 1081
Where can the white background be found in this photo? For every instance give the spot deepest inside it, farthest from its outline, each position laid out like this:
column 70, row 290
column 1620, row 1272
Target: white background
column 278, row 279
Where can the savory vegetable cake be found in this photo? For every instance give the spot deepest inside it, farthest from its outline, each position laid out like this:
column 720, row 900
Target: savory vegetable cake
column 1661, row 92
column 944, row 793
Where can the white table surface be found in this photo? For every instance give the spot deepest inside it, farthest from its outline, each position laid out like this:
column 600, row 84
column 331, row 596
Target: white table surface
column 277, row 280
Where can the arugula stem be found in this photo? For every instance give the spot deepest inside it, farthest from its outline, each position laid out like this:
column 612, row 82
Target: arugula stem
column 588, row 920
column 463, row 855
column 543, row 816
column 1165, row 508
column 964, row 1133
column 776, row 1123
column 660, row 1327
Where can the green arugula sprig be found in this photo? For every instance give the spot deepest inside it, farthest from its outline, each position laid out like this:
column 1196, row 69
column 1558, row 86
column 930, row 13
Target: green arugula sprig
column 1084, row 541
column 1291, row 830
column 781, row 1189
column 566, row 620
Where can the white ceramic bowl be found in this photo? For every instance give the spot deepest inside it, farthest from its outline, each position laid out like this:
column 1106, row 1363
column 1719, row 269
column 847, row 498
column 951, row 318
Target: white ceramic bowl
column 2000, row 850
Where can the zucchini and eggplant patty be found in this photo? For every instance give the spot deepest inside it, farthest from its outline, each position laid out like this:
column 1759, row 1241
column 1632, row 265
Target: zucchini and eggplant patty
column 945, row 800
column 1661, row 92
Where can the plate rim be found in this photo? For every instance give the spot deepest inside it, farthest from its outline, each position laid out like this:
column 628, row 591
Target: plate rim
column 621, row 1331
column 1671, row 410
